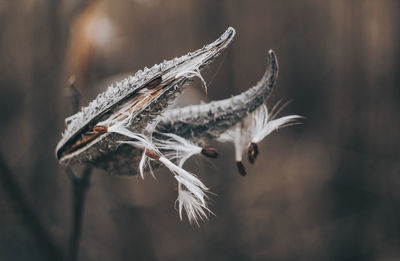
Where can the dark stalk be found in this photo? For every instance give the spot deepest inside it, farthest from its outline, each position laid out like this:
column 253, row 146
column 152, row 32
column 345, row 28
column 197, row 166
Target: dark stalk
column 80, row 186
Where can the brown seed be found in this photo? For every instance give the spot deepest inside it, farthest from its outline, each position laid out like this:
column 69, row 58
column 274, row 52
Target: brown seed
column 210, row 152
column 252, row 152
column 241, row 169
column 152, row 154
column 154, row 83
column 100, row 129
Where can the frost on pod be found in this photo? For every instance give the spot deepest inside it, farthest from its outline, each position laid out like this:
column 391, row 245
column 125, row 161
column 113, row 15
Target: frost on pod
column 130, row 129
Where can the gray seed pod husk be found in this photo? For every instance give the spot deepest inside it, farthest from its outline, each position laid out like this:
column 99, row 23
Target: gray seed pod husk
column 75, row 148
column 200, row 124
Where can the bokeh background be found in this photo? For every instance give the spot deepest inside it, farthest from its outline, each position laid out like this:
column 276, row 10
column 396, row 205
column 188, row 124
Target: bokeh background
column 324, row 190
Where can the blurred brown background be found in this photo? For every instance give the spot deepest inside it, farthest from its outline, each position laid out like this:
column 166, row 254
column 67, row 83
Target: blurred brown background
column 324, row 190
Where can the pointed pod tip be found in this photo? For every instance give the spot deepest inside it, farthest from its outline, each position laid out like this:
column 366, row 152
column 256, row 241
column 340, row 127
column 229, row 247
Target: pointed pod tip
column 272, row 58
column 231, row 30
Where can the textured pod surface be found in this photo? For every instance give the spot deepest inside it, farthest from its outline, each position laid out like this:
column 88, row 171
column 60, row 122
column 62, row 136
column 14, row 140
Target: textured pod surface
column 75, row 147
column 200, row 124
column 204, row 122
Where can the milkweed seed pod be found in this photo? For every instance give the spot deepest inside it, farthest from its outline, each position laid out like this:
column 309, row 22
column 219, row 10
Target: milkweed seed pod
column 129, row 128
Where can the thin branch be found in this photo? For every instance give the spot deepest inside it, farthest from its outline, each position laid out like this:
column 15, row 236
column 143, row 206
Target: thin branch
column 74, row 94
column 80, row 187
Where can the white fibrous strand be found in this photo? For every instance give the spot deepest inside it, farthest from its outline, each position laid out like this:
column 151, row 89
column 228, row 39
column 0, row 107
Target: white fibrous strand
column 145, row 162
column 262, row 124
column 193, row 197
column 194, row 208
column 150, row 128
column 190, row 72
column 139, row 141
column 177, row 148
column 239, row 136
column 193, row 184
column 253, row 129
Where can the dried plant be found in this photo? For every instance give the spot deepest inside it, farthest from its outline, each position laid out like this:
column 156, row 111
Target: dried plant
column 130, row 129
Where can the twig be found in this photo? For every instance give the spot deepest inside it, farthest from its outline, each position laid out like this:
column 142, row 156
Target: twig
column 80, row 186
column 75, row 95
column 31, row 220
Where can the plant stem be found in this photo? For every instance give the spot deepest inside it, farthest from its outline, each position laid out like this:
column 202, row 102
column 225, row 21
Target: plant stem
column 80, row 185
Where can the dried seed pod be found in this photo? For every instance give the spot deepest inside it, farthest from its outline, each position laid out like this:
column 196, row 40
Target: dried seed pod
column 200, row 124
column 145, row 96
column 139, row 98
column 111, row 131
column 205, row 122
